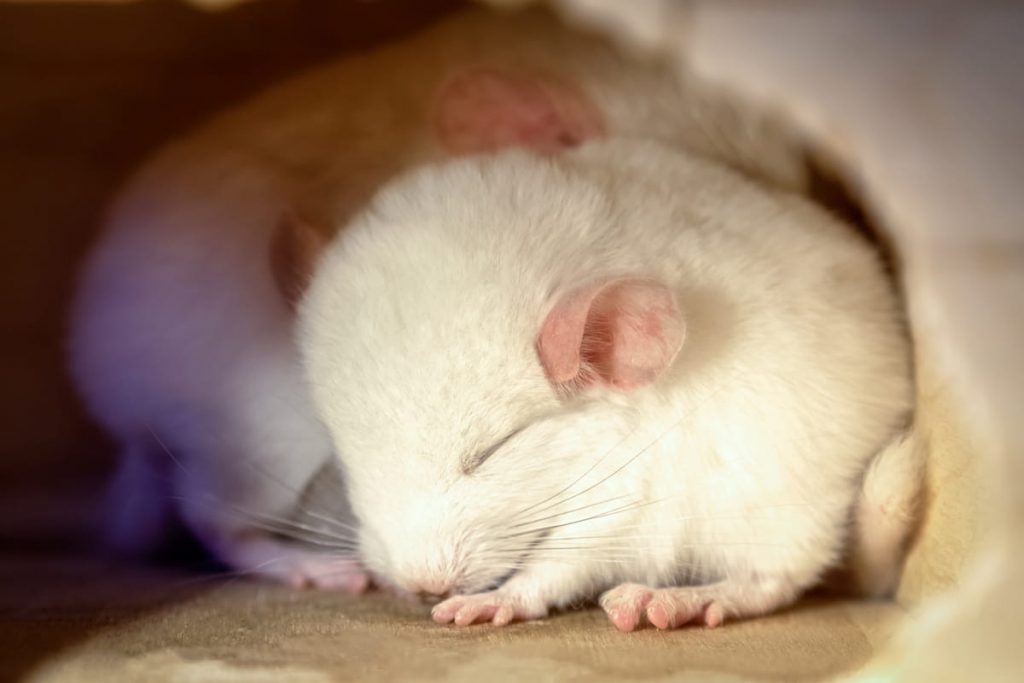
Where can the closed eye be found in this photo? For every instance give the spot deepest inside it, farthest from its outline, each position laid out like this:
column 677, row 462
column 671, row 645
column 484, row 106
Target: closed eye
column 479, row 458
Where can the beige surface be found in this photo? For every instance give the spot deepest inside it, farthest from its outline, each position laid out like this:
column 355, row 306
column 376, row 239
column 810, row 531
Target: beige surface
column 77, row 621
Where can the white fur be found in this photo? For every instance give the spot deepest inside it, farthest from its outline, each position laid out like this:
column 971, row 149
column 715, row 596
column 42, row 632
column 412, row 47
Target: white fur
column 423, row 353
column 737, row 469
column 887, row 514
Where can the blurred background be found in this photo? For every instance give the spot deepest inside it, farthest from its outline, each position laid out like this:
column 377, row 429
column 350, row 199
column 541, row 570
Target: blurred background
column 87, row 91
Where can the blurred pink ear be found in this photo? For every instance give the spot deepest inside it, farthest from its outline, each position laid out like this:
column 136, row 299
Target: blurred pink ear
column 483, row 109
column 294, row 248
column 623, row 333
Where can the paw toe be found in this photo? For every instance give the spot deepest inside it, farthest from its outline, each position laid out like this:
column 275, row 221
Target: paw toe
column 503, row 616
column 713, row 615
column 476, row 611
column 660, row 616
column 444, row 612
column 624, row 619
column 625, row 605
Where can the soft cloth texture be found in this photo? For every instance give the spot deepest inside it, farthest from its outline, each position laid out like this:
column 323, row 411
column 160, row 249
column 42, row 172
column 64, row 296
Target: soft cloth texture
column 85, row 622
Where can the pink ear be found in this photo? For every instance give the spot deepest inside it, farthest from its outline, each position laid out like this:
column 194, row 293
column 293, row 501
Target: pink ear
column 623, row 333
column 483, row 109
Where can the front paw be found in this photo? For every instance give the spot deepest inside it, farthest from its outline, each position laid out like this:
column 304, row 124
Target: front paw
column 314, row 570
column 496, row 607
column 629, row 604
column 292, row 564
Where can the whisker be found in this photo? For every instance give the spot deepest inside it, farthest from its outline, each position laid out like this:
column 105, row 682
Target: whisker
column 298, row 497
column 330, row 520
column 686, row 415
column 166, row 450
column 292, row 526
column 283, row 527
column 624, row 508
column 681, row 518
column 567, row 512
column 579, row 478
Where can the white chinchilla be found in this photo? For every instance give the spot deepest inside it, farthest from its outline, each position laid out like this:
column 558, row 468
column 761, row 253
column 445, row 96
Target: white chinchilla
column 601, row 357
column 621, row 368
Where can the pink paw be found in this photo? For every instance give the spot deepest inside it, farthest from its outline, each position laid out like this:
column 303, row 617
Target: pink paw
column 291, row 564
column 625, row 605
column 629, row 604
column 324, row 571
column 499, row 609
